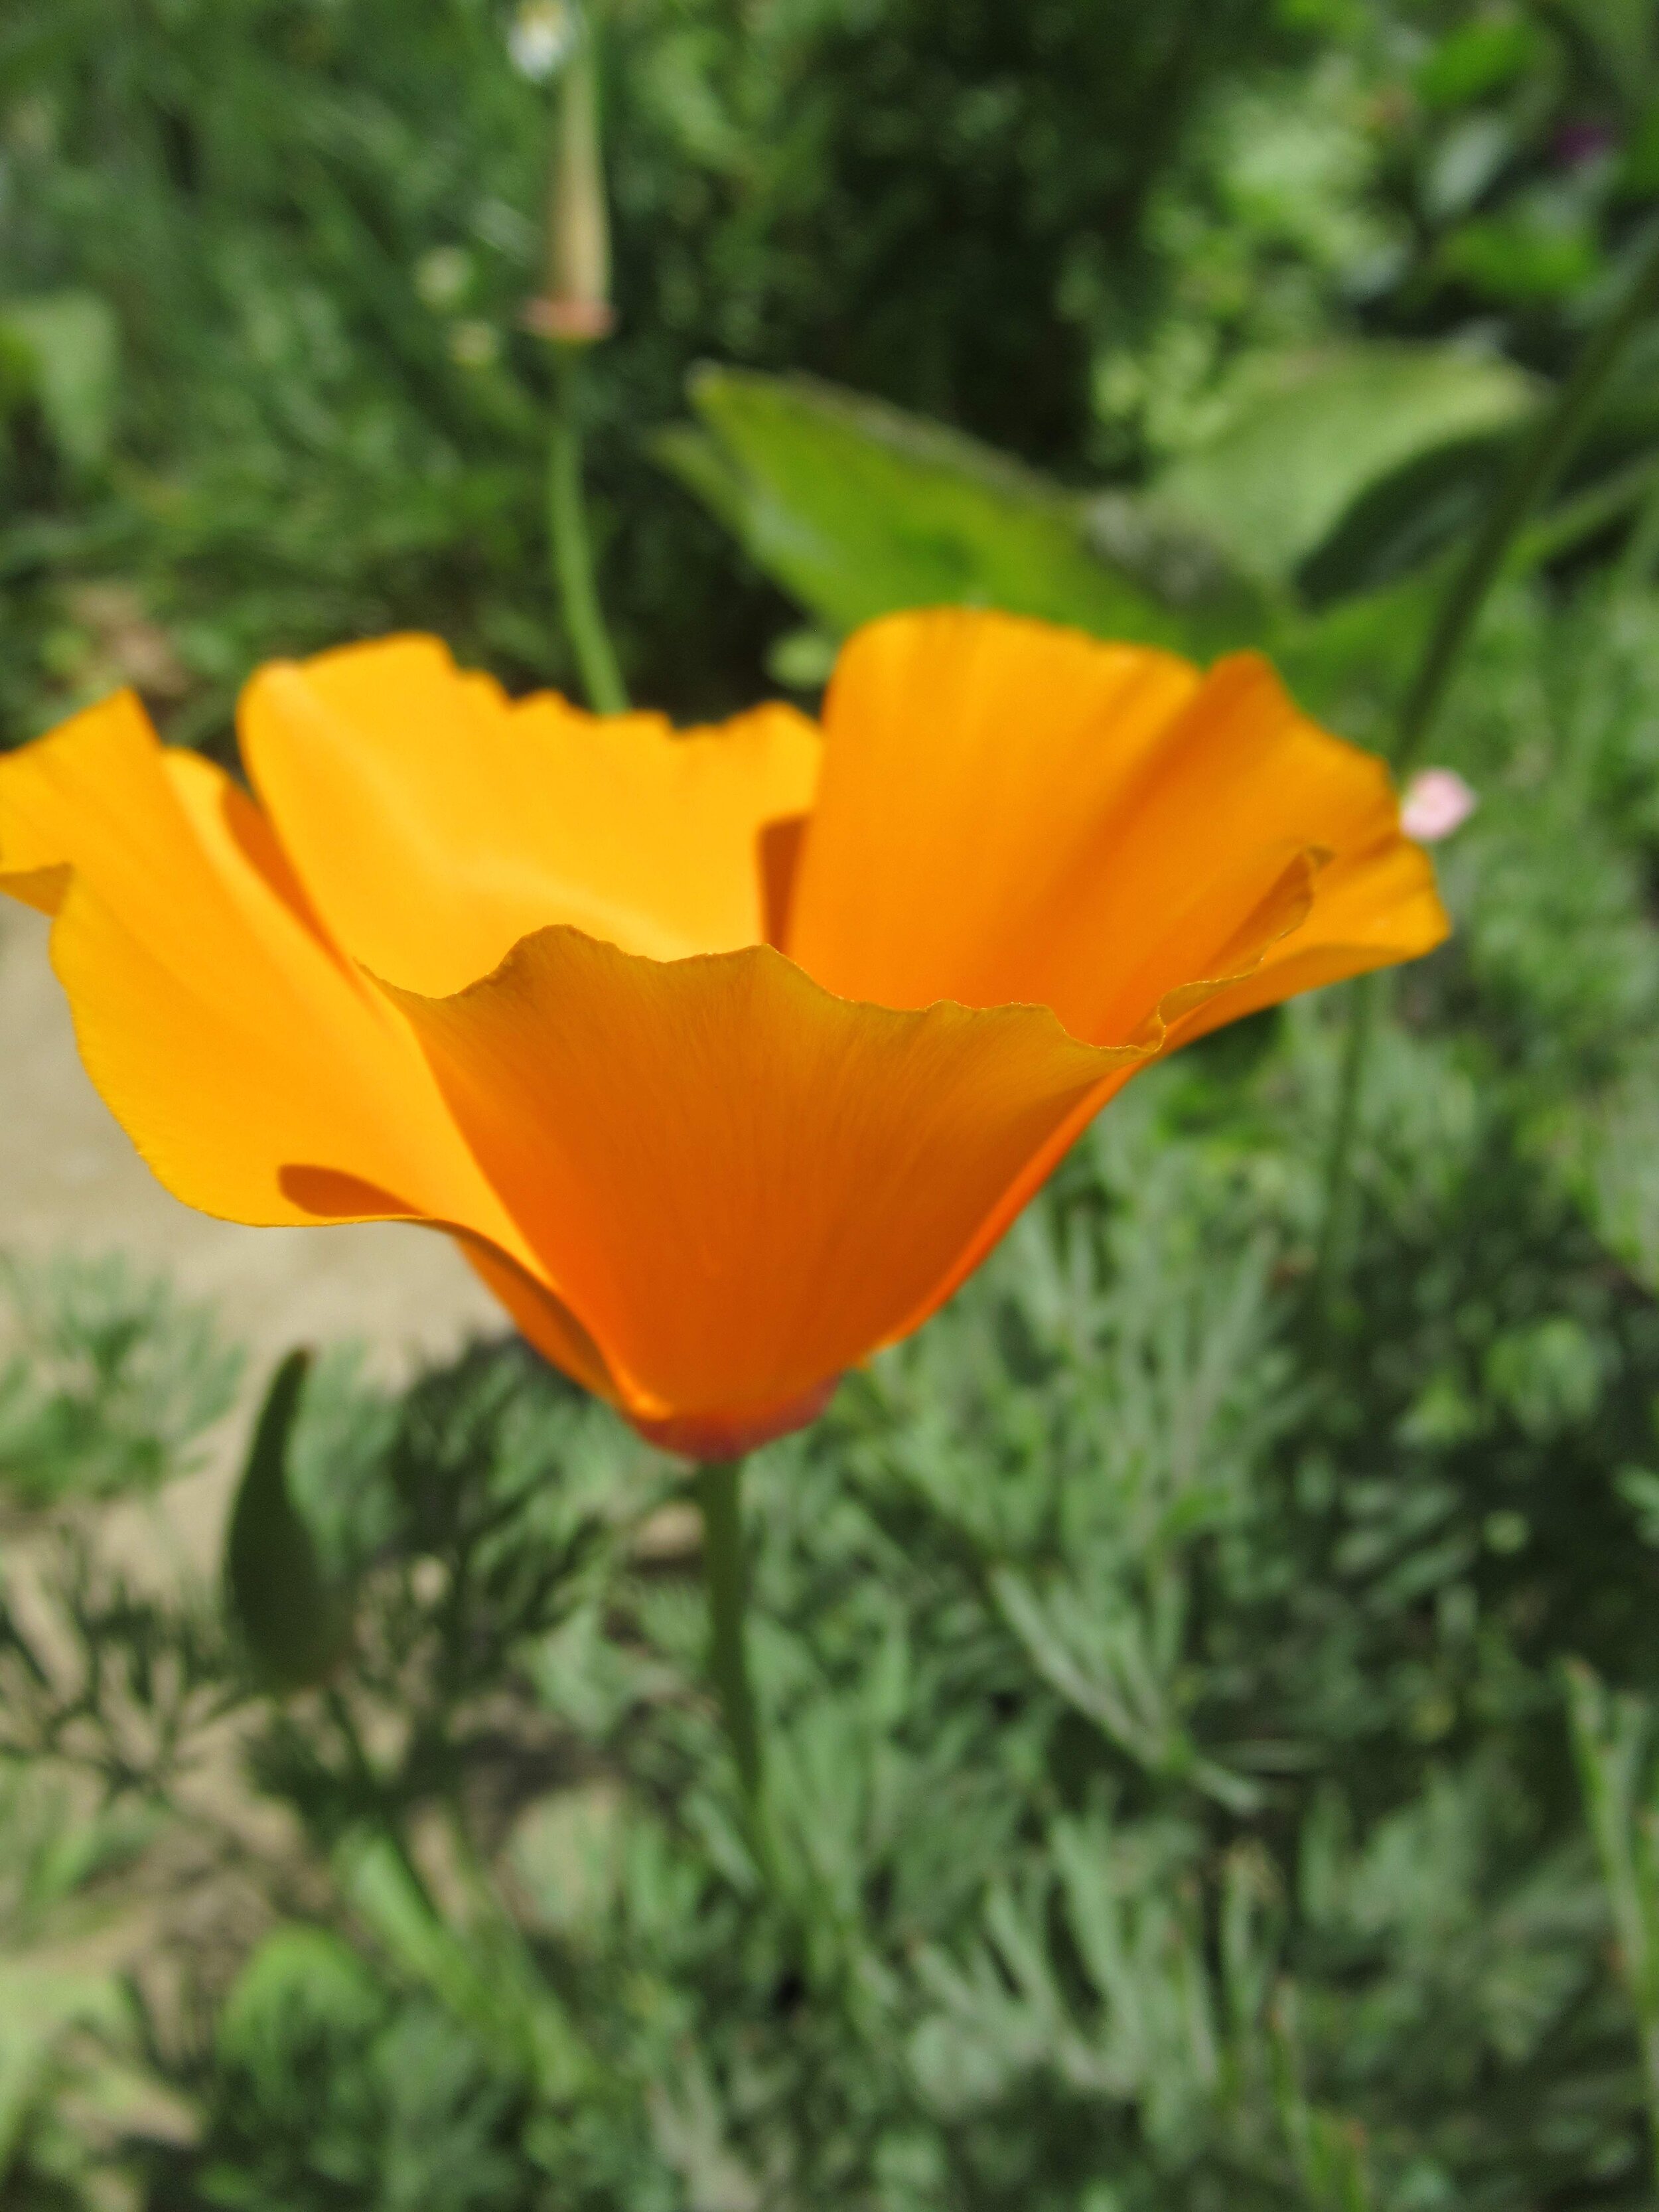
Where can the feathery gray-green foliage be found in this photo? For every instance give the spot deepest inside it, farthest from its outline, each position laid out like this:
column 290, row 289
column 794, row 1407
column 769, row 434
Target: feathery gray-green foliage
column 1210, row 1739
column 1166, row 1687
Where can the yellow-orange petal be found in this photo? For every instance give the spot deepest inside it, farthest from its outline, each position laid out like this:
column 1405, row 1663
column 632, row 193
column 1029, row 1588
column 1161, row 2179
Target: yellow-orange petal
column 434, row 823
column 969, row 762
column 1009, row 812
column 740, row 1183
column 1242, row 778
column 1371, row 911
column 233, row 1044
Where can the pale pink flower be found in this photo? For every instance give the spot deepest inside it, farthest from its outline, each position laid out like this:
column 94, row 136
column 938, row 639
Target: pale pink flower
column 1437, row 801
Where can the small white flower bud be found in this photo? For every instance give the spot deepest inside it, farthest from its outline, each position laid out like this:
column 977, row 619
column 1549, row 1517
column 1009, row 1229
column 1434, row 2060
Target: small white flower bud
column 541, row 37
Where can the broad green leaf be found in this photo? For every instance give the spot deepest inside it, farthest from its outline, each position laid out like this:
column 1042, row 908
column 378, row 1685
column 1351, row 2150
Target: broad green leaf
column 72, row 346
column 295, row 1622
column 857, row 509
column 1525, row 256
column 1325, row 427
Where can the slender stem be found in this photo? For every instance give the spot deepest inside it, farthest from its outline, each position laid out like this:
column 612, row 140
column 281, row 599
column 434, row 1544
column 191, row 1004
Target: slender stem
column 1573, row 520
column 725, row 1566
column 572, row 558
column 1641, row 554
column 385, row 1821
column 1535, row 468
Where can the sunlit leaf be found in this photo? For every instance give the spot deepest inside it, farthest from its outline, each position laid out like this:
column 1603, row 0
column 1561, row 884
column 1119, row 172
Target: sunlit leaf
column 72, row 347
column 1321, row 431
column 856, row 509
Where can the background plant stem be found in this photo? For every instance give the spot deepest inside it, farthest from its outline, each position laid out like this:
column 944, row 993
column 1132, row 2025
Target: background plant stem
column 1535, row 467
column 725, row 1567
column 572, row 557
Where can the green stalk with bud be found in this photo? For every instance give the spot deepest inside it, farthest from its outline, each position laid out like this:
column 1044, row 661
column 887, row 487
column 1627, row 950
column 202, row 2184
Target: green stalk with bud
column 573, row 312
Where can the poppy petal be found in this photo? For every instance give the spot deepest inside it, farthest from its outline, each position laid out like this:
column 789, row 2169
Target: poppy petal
column 436, row 822
column 230, row 1040
column 1372, row 911
column 741, row 1184
column 1242, row 778
column 1012, row 813
column 969, row 761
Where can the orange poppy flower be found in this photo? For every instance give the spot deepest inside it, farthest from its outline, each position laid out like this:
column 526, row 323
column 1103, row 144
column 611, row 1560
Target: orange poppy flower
column 726, row 1056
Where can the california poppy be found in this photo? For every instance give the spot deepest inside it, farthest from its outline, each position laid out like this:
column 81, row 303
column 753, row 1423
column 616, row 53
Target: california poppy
column 726, row 1056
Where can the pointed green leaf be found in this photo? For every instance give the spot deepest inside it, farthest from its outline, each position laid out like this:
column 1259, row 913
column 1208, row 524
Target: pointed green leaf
column 294, row 1623
column 70, row 344
column 857, row 509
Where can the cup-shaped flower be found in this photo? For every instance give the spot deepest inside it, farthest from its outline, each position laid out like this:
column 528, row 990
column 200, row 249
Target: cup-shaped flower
column 726, row 1056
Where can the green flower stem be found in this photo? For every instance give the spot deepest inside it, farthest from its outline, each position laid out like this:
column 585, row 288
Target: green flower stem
column 572, row 557
column 1629, row 492
column 726, row 1565
column 378, row 1817
column 1536, row 468
column 1641, row 554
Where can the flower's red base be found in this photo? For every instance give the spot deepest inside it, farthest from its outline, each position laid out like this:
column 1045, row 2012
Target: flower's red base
column 710, row 1437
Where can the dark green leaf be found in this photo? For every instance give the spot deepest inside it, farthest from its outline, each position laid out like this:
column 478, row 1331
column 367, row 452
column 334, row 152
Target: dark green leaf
column 294, row 1623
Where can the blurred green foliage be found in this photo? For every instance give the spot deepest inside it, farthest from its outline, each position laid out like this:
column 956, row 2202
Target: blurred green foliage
column 316, row 225
column 262, row 264
column 1210, row 1738
column 1177, row 1799
column 107, row 1383
column 1343, row 470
